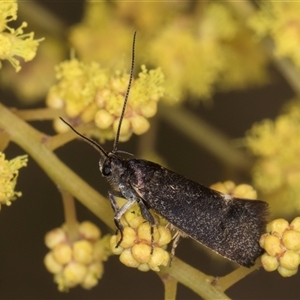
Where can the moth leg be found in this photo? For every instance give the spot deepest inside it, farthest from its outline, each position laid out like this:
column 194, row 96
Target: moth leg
column 119, row 212
column 175, row 243
column 112, row 194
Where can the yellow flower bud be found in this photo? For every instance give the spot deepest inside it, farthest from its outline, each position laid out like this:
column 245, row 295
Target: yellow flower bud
column 245, row 191
column 62, row 253
column 83, row 252
column 141, row 253
column 72, row 110
column 129, row 236
column 89, row 113
column 291, row 239
column 295, row 224
column 60, row 126
column 133, row 217
column 149, row 110
column 165, row 236
column 144, row 267
column 74, row 274
column 220, row 187
column 262, row 240
column 139, row 124
column 289, row 260
column 270, row 263
column 103, row 119
column 272, row 245
column 125, row 129
column 113, row 244
column 51, row 264
column 94, row 273
column 144, row 233
column 54, row 101
column 135, row 222
column 159, row 257
column 128, row 260
column 286, row 272
column 278, row 226
column 55, row 237
column 89, row 231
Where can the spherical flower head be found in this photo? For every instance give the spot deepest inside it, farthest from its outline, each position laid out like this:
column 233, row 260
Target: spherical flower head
column 141, row 247
column 14, row 42
column 9, row 171
column 87, row 92
column 238, row 191
column 76, row 262
column 282, row 246
column 276, row 172
column 280, row 21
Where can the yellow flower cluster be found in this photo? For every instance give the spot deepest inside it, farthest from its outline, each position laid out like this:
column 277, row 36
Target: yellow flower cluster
column 280, row 20
column 13, row 41
column 78, row 262
column 196, row 51
column 277, row 170
column 139, row 249
column 282, row 245
column 9, row 171
column 238, row 191
column 88, row 92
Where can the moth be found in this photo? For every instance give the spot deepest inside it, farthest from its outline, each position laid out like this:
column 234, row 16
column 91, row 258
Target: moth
column 229, row 226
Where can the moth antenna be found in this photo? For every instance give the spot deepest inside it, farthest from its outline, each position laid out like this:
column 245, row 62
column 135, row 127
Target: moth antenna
column 126, row 95
column 86, row 139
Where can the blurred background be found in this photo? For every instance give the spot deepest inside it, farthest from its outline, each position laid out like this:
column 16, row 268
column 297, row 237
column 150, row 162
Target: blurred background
column 218, row 75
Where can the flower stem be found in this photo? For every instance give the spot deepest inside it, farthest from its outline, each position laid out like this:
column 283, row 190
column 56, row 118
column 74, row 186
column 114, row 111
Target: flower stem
column 32, row 142
column 71, row 222
column 235, row 276
column 170, row 284
column 39, row 114
column 197, row 281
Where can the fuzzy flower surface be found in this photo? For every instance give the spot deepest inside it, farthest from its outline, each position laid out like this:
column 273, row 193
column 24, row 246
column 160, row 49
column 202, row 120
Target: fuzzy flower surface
column 14, row 42
column 76, row 262
column 280, row 20
column 282, row 246
column 9, row 171
column 139, row 249
column 87, row 92
column 277, row 170
column 199, row 46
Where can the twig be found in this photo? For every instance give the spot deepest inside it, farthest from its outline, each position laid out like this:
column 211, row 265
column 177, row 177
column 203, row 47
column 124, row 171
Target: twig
column 235, row 276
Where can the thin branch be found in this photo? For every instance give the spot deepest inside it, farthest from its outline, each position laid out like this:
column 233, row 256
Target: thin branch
column 235, row 276
column 197, row 281
column 39, row 114
column 170, row 285
column 61, row 139
column 71, row 222
column 32, row 142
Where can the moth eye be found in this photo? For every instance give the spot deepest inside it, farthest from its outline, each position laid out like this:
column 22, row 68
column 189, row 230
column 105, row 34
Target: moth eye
column 106, row 170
